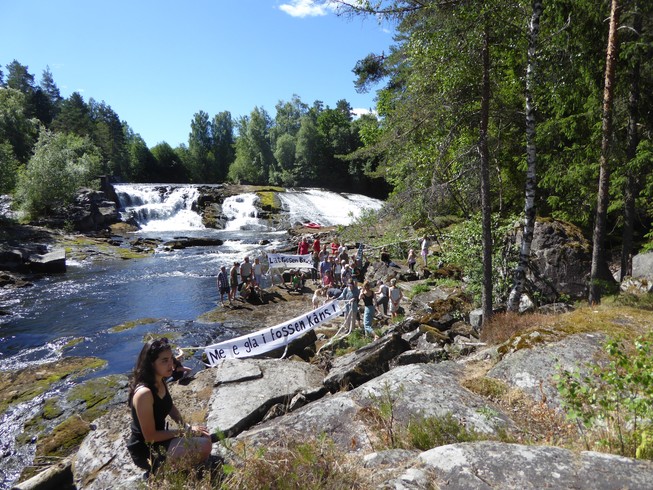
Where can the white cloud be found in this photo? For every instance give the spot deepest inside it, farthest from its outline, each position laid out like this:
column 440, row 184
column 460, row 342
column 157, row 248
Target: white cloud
column 306, row 8
column 359, row 111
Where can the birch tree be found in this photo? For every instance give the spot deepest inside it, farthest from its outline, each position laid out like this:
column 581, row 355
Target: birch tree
column 531, row 161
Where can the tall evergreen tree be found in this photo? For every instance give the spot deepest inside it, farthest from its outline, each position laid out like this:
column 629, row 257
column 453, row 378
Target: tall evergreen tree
column 222, row 129
column 598, row 272
column 200, row 142
column 74, row 116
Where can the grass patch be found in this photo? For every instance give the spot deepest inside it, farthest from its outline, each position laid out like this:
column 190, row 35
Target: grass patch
column 418, row 289
column 520, row 331
column 309, row 462
column 424, row 433
column 640, row 301
column 354, row 341
column 503, row 326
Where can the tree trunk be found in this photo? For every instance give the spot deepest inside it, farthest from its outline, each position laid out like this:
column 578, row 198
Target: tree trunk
column 486, row 209
column 598, row 251
column 531, row 161
column 632, row 182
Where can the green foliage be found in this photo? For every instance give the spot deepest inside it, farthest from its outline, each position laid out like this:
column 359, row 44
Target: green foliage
column 418, row 289
column 428, row 432
column 614, row 400
column 62, row 163
column 461, row 246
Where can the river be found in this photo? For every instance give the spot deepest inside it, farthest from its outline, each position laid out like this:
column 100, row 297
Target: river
column 74, row 314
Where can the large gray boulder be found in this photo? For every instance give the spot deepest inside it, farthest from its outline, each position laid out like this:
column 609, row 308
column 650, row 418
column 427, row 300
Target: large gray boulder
column 643, row 266
column 428, row 390
column 530, row 362
column 561, row 259
column 355, row 368
column 247, row 389
column 102, row 460
column 495, row 465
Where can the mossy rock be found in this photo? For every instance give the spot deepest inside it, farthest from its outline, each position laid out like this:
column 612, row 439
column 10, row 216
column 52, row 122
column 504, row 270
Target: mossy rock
column 25, row 384
column 65, row 437
column 433, row 335
column 269, row 201
column 132, row 324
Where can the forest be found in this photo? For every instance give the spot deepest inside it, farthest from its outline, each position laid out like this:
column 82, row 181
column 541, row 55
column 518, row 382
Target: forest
column 501, row 108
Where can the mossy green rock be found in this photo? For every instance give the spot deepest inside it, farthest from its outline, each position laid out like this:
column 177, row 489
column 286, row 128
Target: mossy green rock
column 25, row 384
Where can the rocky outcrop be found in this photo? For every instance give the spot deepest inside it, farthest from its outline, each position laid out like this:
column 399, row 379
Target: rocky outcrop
column 530, row 362
column 494, row 465
column 91, row 211
column 248, row 389
column 561, row 260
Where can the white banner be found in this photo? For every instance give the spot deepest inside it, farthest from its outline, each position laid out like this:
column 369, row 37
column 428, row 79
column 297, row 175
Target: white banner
column 271, row 338
column 287, row 261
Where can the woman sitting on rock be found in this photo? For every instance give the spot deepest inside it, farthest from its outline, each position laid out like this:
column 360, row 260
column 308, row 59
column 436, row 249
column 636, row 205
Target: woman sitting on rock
column 151, row 443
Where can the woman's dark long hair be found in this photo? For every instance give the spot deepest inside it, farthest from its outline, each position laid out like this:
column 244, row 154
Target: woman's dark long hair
column 144, row 369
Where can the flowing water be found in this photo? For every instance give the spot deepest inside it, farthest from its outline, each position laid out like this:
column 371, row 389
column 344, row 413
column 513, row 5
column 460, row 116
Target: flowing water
column 74, row 314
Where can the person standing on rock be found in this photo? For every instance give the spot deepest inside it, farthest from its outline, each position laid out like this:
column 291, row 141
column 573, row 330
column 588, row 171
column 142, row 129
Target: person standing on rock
column 395, row 298
column 367, row 297
column 382, row 295
column 245, row 270
column 424, row 249
column 302, row 248
column 411, row 260
column 258, row 271
column 223, row 284
column 233, row 282
column 151, row 443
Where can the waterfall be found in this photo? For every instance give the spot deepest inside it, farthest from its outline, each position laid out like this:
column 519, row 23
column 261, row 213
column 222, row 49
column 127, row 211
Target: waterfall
column 325, row 208
column 241, row 213
column 160, row 207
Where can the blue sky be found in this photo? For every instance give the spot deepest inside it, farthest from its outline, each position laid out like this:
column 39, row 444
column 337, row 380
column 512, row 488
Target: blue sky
column 158, row 62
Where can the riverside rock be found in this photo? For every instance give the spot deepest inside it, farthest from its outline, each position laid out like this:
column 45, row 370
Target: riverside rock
column 247, row 389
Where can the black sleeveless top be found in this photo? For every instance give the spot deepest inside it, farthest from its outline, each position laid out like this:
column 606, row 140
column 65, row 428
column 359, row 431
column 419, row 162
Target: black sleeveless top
column 368, row 300
column 162, row 407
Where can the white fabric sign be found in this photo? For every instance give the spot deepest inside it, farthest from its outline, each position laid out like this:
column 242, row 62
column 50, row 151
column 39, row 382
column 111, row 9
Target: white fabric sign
column 288, row 261
column 271, row 338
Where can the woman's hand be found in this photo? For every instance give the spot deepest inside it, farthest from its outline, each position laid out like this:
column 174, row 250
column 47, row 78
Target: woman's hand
column 199, row 431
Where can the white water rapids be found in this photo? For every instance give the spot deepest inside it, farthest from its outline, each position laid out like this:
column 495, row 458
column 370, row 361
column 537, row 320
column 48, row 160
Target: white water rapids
column 161, row 208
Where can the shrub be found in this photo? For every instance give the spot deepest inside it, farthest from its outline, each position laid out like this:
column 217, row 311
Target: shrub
column 428, row 432
column 61, row 164
column 613, row 404
column 462, row 246
column 503, row 326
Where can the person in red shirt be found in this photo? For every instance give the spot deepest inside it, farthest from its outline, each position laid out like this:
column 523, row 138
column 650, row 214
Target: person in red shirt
column 334, row 247
column 316, row 244
column 302, row 248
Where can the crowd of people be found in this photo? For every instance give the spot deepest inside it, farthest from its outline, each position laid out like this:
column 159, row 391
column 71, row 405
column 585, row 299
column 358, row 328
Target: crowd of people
column 335, row 275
